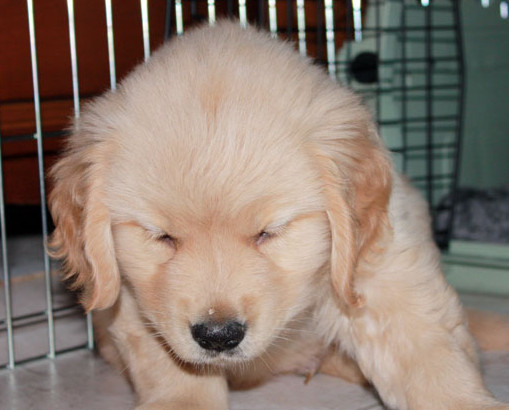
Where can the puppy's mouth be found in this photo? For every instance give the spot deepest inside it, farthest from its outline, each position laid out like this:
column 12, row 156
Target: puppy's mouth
column 223, row 359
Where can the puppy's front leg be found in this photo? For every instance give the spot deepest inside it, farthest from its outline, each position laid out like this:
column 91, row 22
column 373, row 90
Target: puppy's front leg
column 411, row 340
column 159, row 379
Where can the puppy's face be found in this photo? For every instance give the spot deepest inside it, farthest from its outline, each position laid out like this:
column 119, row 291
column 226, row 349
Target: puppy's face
column 220, row 254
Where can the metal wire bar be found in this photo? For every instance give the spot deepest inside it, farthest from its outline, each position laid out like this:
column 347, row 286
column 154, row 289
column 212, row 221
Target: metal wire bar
column 6, row 276
column 444, row 242
column 74, row 58
column 40, row 316
column 145, row 29
column 425, row 119
column 357, row 19
column 273, row 18
column 76, row 102
column 348, row 33
column 25, row 137
column 429, row 103
column 411, row 148
column 436, row 7
column 167, row 20
column 242, row 13
column 211, row 7
column 179, row 17
column 330, row 38
column 111, row 45
column 408, row 61
column 378, row 44
column 43, row 357
column 437, row 177
column 404, row 73
column 301, row 26
column 410, row 29
column 42, row 187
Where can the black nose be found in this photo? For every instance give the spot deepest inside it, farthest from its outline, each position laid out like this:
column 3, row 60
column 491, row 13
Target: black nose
column 218, row 336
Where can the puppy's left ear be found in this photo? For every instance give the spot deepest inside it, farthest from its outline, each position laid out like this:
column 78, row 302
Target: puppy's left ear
column 356, row 171
column 83, row 237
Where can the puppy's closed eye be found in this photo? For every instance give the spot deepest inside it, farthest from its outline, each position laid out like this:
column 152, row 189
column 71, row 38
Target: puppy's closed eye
column 271, row 232
column 160, row 236
column 167, row 240
column 263, row 236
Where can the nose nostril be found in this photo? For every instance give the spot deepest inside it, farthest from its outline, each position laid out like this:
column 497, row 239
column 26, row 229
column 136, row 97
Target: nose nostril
column 218, row 336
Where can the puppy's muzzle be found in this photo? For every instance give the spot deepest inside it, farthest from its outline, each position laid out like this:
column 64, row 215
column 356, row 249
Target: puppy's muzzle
column 218, row 336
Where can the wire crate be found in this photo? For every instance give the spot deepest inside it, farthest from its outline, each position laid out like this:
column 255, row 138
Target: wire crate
column 403, row 56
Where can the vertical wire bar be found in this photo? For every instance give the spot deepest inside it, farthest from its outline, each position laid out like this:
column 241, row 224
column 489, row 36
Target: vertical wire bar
column 76, row 99
column 330, row 37
column 211, row 11
column 504, row 10
column 90, row 332
column 320, row 53
column 7, row 276
column 145, row 29
column 378, row 42
column 404, row 99
column 429, row 103
column 74, row 60
column 272, row 18
column 301, row 26
column 42, row 188
column 242, row 13
column 179, row 19
column 348, row 28
column 167, row 20
column 111, row 45
column 357, row 18
column 459, row 125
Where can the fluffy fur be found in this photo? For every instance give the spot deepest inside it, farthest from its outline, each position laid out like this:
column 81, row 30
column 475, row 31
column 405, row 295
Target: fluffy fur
column 230, row 179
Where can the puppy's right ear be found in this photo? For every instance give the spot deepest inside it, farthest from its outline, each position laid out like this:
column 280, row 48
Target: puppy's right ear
column 356, row 173
column 83, row 236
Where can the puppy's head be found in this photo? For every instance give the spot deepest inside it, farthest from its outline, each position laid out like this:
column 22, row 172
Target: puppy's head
column 221, row 192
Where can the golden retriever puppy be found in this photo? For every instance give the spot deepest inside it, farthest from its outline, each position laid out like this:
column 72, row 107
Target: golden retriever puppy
column 231, row 213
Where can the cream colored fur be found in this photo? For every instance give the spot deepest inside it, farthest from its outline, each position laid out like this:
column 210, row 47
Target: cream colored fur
column 283, row 212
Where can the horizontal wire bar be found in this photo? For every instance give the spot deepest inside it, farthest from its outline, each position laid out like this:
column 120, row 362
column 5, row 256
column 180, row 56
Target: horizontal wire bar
column 23, row 137
column 39, row 314
column 391, row 90
column 44, row 357
column 445, row 145
column 435, row 177
column 414, row 60
column 420, row 119
column 435, row 7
